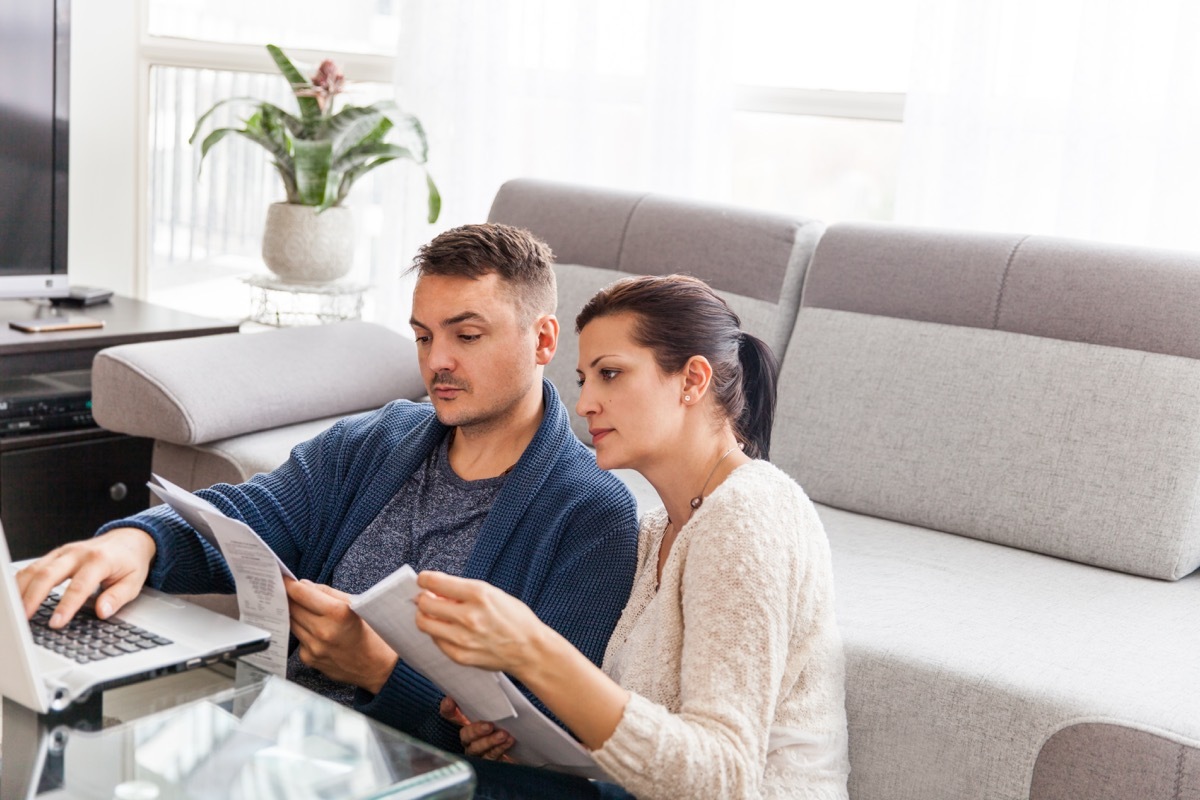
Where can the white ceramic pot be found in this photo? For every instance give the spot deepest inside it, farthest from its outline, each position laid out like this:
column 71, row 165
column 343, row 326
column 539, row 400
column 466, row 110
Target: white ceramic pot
column 302, row 246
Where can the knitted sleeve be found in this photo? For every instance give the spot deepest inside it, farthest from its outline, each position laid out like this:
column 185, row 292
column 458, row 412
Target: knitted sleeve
column 280, row 506
column 740, row 567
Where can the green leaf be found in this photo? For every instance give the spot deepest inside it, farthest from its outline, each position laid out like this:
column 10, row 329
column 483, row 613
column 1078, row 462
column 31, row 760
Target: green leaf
column 365, row 152
column 312, row 161
column 408, row 123
column 295, row 126
column 204, row 117
column 352, row 126
column 310, row 109
column 419, row 130
column 435, row 199
column 350, row 175
column 288, row 176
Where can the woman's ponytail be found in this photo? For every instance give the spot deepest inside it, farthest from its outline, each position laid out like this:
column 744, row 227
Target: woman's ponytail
column 760, row 371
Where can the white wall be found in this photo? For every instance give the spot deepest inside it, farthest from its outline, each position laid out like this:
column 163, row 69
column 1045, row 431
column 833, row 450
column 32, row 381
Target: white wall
column 102, row 230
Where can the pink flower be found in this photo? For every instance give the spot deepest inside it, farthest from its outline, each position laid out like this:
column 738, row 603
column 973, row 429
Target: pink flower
column 327, row 82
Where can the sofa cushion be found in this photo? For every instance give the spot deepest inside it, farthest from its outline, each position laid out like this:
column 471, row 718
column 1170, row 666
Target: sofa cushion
column 192, row 391
column 1121, row 296
column 755, row 260
column 232, row 460
column 964, row 658
column 1103, row 761
column 1079, row 451
column 949, row 426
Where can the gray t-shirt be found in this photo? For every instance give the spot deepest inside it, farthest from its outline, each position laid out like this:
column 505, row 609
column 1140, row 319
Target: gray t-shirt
column 431, row 523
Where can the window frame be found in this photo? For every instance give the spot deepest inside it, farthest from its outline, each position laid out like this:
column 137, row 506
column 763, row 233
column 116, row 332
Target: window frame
column 155, row 51
column 169, row 51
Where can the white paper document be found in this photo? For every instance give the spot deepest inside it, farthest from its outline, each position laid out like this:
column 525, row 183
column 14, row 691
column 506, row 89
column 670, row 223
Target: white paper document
column 388, row 607
column 257, row 571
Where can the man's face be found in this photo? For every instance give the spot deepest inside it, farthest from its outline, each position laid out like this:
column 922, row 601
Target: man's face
column 477, row 359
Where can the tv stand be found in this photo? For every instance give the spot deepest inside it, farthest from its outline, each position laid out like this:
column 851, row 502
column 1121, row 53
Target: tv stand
column 58, row 486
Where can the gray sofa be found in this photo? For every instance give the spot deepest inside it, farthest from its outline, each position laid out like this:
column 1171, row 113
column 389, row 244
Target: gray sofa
column 1001, row 433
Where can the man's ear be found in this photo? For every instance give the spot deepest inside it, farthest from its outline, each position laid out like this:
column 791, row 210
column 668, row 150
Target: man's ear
column 546, row 330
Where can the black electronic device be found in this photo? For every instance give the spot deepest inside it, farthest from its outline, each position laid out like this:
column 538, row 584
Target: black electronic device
column 34, row 144
column 48, row 402
column 84, row 296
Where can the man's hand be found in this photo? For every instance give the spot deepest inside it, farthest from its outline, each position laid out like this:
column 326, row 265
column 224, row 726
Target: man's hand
column 335, row 640
column 117, row 562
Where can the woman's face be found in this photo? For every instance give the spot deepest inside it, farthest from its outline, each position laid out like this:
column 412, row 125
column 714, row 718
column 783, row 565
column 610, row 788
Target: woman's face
column 633, row 409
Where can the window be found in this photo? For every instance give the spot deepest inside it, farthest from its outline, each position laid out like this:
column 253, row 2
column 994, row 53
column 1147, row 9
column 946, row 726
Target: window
column 815, row 131
column 204, row 221
column 817, row 127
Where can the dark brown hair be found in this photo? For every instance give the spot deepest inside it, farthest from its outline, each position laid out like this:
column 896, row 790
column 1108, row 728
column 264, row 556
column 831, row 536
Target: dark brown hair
column 677, row 317
column 522, row 261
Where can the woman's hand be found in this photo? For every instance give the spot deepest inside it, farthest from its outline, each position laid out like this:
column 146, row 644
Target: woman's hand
column 476, row 624
column 480, row 739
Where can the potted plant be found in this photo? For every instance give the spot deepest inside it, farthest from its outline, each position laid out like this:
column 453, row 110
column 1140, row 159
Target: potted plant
column 319, row 155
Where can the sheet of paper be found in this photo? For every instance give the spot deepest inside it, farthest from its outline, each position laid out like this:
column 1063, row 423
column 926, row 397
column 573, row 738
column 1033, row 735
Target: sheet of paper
column 189, row 506
column 541, row 743
column 262, row 600
column 388, row 607
column 257, row 571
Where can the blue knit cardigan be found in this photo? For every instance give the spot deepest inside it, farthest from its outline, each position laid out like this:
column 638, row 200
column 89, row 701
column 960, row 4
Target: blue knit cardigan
column 561, row 535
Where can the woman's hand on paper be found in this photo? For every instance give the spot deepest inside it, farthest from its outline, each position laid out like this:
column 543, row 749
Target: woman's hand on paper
column 335, row 640
column 479, row 739
column 476, row 624
column 116, row 562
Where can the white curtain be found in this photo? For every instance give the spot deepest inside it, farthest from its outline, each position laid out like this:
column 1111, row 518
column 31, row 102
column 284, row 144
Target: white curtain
column 1068, row 117
column 629, row 94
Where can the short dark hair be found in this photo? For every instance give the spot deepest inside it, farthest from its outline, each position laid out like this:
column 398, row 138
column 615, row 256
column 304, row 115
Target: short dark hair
column 523, row 261
column 677, row 317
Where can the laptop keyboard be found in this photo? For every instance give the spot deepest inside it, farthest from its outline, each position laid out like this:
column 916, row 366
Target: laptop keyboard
column 88, row 638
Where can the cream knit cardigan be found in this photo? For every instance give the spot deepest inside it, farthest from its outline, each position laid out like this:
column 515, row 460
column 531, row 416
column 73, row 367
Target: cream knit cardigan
column 734, row 662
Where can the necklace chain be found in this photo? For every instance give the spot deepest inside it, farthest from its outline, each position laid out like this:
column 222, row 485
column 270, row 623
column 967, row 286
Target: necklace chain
column 698, row 500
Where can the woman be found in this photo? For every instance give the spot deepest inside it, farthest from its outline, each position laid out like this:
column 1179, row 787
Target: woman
column 725, row 675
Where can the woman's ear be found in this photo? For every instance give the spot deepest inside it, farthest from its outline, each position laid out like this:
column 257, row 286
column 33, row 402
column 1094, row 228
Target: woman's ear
column 697, row 377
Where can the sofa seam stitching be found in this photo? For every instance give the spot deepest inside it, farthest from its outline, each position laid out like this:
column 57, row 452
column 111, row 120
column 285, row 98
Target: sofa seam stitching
column 1004, row 280
column 625, row 230
column 1179, row 773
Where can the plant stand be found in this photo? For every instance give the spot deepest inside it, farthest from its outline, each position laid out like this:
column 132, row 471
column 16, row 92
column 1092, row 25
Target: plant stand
column 281, row 304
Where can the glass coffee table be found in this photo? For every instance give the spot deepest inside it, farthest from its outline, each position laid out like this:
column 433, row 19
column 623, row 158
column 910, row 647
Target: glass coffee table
column 258, row 736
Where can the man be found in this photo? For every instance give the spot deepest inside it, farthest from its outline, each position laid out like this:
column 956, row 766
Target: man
column 485, row 481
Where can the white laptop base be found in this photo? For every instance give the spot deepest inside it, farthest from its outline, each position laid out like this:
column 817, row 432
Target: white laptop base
column 44, row 681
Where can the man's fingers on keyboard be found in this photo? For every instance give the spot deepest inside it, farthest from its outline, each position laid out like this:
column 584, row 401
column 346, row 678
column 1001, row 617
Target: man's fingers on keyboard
column 83, row 583
column 36, row 580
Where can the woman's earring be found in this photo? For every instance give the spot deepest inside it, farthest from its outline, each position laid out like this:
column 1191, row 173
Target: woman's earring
column 687, row 398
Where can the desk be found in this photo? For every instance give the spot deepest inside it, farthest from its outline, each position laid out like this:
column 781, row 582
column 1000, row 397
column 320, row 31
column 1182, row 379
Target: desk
column 249, row 736
column 86, row 476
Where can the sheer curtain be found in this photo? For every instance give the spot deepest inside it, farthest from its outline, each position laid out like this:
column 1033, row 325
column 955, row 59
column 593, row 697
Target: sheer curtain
column 627, row 93
column 1073, row 117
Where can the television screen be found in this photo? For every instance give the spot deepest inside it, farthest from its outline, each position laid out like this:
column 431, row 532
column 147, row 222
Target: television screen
column 34, row 57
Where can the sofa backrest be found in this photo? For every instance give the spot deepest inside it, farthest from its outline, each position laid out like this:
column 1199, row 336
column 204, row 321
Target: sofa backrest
column 1031, row 391
column 755, row 260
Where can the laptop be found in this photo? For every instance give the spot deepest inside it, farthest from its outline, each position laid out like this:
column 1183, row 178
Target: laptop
column 155, row 634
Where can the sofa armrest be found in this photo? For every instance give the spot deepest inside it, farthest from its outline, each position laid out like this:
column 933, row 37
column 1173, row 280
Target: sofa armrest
column 197, row 390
